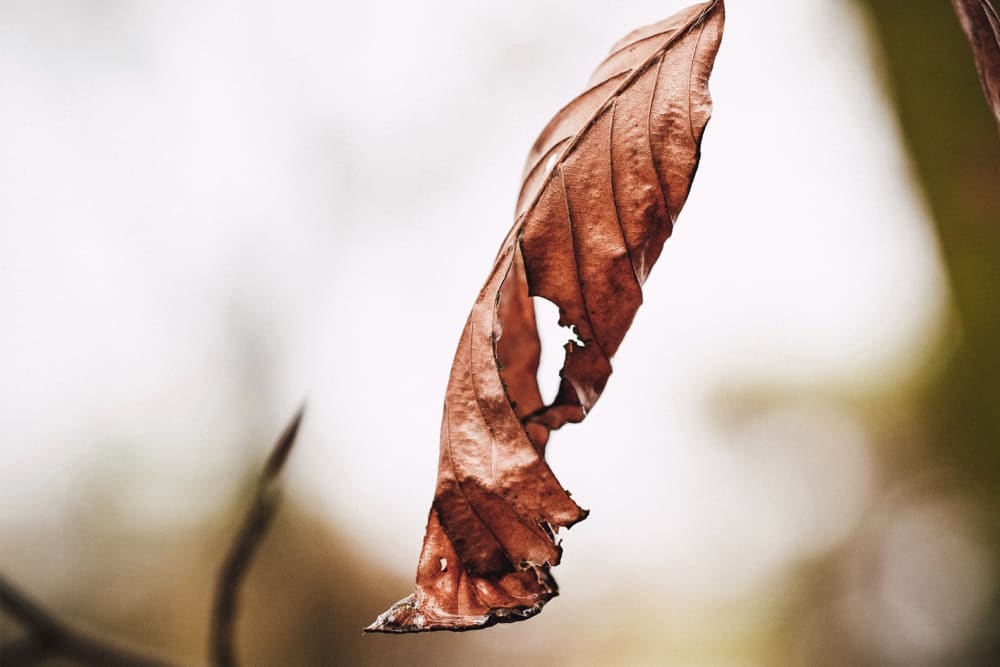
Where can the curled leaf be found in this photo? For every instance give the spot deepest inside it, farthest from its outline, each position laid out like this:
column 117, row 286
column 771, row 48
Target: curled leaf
column 602, row 188
column 982, row 27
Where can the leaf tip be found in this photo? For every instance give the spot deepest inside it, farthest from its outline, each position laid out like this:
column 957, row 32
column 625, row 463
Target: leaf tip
column 407, row 616
column 397, row 618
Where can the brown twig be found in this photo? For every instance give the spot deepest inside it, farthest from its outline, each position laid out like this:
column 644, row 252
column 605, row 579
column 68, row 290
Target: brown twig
column 47, row 636
column 255, row 525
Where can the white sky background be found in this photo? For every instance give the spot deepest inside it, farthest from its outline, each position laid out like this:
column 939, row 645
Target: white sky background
column 332, row 181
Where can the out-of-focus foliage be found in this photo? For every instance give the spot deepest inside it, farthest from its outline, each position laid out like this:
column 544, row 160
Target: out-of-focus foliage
column 950, row 134
column 925, row 573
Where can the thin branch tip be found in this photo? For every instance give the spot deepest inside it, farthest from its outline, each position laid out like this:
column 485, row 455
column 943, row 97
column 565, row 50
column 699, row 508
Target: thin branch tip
column 283, row 445
column 253, row 528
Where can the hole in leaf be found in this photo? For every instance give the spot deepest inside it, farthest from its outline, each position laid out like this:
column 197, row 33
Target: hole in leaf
column 551, row 162
column 553, row 338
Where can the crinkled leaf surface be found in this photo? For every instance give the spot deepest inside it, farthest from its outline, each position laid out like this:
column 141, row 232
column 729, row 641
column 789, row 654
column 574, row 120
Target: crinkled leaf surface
column 982, row 27
column 602, row 188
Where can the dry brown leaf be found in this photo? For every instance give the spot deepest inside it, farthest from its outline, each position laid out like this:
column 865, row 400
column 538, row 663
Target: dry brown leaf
column 603, row 186
column 982, row 27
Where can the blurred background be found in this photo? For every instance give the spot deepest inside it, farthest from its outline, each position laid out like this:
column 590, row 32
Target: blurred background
column 211, row 210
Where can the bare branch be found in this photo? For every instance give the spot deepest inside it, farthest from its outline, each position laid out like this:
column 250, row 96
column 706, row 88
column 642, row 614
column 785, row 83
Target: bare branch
column 48, row 636
column 243, row 547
